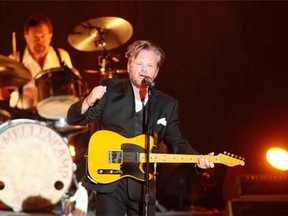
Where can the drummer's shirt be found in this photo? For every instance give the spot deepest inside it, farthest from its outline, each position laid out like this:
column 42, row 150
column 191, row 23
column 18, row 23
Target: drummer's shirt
column 28, row 98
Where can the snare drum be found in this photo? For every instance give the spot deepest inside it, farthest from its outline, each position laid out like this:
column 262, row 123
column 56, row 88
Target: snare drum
column 35, row 163
column 57, row 89
column 62, row 126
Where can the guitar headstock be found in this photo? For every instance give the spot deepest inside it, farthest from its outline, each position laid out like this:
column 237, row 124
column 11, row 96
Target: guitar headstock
column 230, row 159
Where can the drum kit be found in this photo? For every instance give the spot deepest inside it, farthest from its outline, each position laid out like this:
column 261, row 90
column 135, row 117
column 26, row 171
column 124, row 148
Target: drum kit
column 37, row 168
column 101, row 35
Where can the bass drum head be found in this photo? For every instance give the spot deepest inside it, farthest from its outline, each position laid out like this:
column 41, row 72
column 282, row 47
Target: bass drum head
column 35, row 163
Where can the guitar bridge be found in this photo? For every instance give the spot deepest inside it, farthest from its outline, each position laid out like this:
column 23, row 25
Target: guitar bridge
column 109, row 171
column 115, row 157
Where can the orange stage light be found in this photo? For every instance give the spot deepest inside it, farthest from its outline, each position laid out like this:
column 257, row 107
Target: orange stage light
column 278, row 158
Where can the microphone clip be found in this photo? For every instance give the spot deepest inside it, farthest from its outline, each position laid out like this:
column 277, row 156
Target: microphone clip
column 149, row 83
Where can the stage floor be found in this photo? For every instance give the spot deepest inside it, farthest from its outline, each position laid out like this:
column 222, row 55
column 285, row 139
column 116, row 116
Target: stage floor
column 167, row 213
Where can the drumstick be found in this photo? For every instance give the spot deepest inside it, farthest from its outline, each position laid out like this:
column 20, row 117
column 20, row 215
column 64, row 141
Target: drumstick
column 14, row 49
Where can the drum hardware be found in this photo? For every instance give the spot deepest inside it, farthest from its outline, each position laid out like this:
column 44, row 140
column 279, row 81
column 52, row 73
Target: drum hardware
column 66, row 205
column 4, row 116
column 12, row 73
column 78, row 143
column 116, row 73
column 107, row 66
column 63, row 127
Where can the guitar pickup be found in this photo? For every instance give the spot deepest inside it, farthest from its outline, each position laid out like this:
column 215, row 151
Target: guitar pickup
column 115, row 157
column 109, row 171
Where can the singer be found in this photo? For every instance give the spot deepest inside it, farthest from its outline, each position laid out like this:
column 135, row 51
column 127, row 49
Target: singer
column 119, row 106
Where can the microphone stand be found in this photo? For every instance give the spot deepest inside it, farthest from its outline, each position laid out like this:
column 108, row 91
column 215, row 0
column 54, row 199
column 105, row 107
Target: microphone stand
column 147, row 145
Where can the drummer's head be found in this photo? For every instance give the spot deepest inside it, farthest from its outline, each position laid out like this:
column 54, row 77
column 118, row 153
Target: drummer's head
column 38, row 32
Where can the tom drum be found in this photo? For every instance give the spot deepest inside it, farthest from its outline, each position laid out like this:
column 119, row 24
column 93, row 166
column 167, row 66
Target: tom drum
column 57, row 89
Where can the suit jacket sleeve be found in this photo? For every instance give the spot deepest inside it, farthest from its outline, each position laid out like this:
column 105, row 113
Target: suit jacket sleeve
column 74, row 116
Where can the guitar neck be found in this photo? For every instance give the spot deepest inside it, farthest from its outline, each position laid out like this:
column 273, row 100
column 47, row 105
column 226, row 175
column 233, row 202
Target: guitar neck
column 173, row 158
column 185, row 158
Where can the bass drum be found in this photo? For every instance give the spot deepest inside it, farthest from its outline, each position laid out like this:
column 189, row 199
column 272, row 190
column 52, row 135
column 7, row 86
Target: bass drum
column 35, row 163
column 57, row 89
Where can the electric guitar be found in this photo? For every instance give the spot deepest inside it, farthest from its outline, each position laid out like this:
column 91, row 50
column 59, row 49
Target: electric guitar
column 112, row 156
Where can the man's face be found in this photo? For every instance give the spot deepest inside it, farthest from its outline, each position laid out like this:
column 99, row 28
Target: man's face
column 38, row 40
column 143, row 66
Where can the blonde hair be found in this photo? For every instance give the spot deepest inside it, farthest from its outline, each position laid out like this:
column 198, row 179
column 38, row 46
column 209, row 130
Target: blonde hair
column 137, row 46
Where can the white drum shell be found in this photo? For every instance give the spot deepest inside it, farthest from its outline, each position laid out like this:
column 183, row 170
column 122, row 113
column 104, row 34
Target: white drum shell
column 57, row 89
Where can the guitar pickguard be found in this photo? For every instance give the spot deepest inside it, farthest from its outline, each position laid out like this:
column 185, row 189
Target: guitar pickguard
column 131, row 164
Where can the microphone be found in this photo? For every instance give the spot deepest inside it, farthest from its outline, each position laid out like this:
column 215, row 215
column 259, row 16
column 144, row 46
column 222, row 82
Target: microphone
column 148, row 82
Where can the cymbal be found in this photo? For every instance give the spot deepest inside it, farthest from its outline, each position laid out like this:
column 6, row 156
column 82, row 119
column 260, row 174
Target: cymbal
column 92, row 71
column 13, row 73
column 98, row 34
column 118, row 71
column 121, row 71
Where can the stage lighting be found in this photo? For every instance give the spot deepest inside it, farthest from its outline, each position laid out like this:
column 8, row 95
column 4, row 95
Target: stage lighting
column 72, row 150
column 278, row 158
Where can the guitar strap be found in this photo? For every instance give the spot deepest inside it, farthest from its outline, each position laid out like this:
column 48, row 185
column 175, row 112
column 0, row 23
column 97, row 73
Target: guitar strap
column 62, row 63
column 156, row 145
column 21, row 53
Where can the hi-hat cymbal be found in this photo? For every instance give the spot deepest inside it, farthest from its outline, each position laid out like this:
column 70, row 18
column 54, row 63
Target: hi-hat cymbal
column 13, row 73
column 121, row 71
column 92, row 71
column 103, row 33
column 118, row 71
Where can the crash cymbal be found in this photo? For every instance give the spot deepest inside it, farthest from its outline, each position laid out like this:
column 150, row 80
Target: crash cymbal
column 13, row 73
column 103, row 33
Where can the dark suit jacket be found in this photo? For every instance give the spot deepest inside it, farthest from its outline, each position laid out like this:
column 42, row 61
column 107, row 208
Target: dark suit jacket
column 116, row 112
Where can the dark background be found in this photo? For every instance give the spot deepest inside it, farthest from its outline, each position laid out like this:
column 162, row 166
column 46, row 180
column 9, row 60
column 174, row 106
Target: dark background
column 226, row 62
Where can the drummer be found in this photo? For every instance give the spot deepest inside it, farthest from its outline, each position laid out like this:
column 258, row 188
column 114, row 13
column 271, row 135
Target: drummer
column 38, row 55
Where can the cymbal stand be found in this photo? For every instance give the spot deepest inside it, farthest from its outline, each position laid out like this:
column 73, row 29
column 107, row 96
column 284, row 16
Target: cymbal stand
column 66, row 202
column 105, row 62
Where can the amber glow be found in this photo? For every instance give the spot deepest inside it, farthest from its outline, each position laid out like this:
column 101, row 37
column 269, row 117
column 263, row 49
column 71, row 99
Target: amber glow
column 72, row 150
column 278, row 158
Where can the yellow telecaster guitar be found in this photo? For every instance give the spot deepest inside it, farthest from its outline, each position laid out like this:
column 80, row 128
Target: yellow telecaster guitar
column 112, row 157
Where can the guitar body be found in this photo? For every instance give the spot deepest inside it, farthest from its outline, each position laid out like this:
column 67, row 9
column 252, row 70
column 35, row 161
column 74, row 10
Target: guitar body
column 112, row 156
